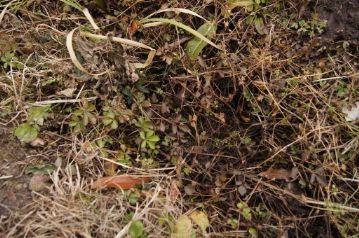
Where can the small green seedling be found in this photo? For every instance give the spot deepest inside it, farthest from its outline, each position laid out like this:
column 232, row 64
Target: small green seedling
column 83, row 116
column 149, row 139
column 245, row 211
column 8, row 60
column 29, row 130
column 124, row 158
column 109, row 119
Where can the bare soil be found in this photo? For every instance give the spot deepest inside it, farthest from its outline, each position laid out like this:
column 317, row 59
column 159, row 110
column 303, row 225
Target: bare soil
column 342, row 17
column 14, row 192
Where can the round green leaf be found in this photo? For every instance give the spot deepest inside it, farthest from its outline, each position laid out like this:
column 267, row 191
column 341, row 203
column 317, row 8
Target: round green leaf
column 26, row 132
column 136, row 229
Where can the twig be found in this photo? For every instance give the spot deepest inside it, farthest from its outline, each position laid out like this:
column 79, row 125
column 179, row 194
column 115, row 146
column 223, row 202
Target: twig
column 42, row 103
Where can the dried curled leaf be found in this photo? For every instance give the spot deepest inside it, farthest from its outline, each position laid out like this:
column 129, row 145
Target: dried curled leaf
column 119, row 181
column 195, row 46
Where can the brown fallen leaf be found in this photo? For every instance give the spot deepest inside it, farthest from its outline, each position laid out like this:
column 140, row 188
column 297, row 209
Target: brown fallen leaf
column 119, row 181
column 282, row 174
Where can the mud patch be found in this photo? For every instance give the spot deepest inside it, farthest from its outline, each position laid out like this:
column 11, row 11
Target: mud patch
column 342, row 19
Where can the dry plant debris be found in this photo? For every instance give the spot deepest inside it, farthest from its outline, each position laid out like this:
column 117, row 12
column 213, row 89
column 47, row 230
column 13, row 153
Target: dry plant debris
column 233, row 118
column 120, row 182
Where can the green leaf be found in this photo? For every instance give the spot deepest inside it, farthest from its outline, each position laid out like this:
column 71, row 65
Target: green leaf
column 73, row 123
column 136, row 229
column 101, row 143
column 246, row 4
column 182, row 26
column 124, row 158
column 195, row 46
column 90, row 107
column 128, row 217
column 114, row 124
column 85, row 119
column 38, row 114
column 153, row 138
column 26, row 132
column 246, row 213
column 253, row 232
column 73, row 4
column 259, row 25
column 183, row 228
column 132, row 198
column 201, row 219
column 142, row 135
column 245, row 210
column 107, row 121
column 144, row 124
column 151, row 145
column 45, row 169
column 78, row 112
column 149, row 134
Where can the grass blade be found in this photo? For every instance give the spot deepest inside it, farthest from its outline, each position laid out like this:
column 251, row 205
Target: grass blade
column 125, row 42
column 70, row 48
column 73, row 3
column 90, row 19
column 182, row 10
column 182, row 26
column 195, row 46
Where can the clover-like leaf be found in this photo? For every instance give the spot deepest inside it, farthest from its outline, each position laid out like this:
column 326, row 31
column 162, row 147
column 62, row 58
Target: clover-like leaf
column 259, row 25
column 149, row 139
column 144, row 124
column 38, row 114
column 110, row 120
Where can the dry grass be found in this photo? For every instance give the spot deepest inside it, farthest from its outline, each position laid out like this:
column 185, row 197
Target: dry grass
column 265, row 101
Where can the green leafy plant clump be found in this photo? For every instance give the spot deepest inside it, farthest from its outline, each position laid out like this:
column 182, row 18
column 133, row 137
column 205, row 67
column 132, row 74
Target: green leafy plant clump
column 29, row 130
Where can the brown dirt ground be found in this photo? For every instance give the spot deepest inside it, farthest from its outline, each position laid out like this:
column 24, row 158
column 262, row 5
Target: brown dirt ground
column 342, row 17
column 14, row 192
